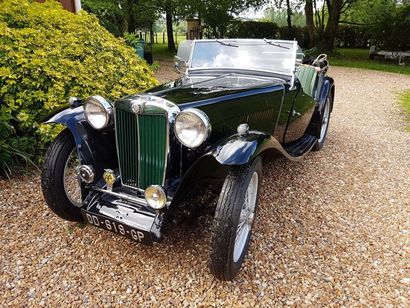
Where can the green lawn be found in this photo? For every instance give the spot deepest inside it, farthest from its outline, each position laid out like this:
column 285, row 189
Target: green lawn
column 359, row 58
column 405, row 102
column 160, row 51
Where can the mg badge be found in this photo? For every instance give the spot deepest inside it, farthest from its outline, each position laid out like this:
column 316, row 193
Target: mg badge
column 109, row 178
column 137, row 106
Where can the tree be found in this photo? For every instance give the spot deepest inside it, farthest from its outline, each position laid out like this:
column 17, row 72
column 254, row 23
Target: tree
column 218, row 13
column 310, row 26
column 120, row 16
column 172, row 9
column 280, row 17
column 326, row 22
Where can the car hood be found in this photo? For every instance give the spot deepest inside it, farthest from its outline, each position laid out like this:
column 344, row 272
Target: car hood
column 185, row 91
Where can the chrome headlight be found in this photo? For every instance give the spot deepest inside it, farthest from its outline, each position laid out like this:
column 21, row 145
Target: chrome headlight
column 155, row 197
column 192, row 127
column 97, row 111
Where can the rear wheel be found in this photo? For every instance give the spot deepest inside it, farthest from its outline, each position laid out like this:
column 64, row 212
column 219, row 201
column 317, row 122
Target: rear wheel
column 324, row 125
column 233, row 220
column 60, row 183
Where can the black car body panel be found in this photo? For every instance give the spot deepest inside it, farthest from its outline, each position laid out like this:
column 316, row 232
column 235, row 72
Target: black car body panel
column 282, row 112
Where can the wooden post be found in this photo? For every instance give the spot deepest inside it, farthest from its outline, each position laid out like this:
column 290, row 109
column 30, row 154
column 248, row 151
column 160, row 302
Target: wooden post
column 163, row 37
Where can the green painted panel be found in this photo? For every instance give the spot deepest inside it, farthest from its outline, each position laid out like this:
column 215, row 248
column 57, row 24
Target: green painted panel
column 152, row 156
column 141, row 146
column 127, row 146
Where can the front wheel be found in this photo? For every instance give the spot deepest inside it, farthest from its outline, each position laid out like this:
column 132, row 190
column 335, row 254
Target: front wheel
column 59, row 181
column 233, row 220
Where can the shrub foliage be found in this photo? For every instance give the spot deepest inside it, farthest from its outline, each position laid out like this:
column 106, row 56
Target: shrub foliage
column 48, row 54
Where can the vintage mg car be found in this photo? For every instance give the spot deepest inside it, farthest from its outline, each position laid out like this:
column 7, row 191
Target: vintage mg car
column 130, row 166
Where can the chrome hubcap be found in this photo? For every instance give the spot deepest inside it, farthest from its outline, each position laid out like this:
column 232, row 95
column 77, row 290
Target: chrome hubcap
column 246, row 217
column 71, row 181
column 325, row 120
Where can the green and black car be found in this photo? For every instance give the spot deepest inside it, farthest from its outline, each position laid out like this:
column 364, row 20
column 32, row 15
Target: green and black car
column 131, row 166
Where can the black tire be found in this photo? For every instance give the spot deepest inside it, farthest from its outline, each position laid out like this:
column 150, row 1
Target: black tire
column 52, row 177
column 226, row 219
column 321, row 142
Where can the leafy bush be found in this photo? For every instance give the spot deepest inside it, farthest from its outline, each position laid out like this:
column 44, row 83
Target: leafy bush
column 297, row 33
column 48, row 54
column 353, row 37
column 389, row 32
column 392, row 33
column 265, row 29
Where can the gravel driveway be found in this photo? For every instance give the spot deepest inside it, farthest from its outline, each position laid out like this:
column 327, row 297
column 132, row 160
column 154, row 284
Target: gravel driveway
column 331, row 230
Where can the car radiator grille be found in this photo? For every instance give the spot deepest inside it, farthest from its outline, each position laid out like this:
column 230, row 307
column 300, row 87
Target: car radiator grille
column 142, row 146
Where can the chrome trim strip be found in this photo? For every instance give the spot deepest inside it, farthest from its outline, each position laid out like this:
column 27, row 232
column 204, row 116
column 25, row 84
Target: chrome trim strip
column 137, row 200
column 124, row 196
column 138, row 150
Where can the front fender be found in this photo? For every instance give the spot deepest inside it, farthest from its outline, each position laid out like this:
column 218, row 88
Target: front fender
column 93, row 147
column 239, row 150
column 70, row 117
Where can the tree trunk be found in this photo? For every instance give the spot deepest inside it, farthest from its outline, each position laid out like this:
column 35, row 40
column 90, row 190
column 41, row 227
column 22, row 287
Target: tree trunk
column 327, row 37
column 170, row 30
column 310, row 26
column 289, row 13
column 131, row 27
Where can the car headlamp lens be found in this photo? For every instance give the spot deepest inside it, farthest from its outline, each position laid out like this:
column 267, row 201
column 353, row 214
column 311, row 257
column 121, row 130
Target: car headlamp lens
column 192, row 127
column 97, row 111
column 155, row 197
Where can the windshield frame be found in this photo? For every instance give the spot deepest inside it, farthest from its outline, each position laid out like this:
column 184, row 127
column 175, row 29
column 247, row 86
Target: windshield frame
column 294, row 50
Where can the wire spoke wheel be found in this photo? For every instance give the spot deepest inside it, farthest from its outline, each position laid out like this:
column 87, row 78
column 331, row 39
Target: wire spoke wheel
column 233, row 219
column 71, row 181
column 325, row 120
column 246, row 217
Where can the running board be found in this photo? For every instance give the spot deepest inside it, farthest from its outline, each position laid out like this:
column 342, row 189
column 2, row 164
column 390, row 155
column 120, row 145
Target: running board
column 301, row 146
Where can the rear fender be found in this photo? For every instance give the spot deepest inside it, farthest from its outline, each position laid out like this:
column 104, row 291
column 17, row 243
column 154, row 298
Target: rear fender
column 326, row 90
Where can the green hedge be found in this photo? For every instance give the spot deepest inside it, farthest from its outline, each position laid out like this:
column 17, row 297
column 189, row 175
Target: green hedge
column 252, row 29
column 354, row 37
column 48, row 54
column 388, row 34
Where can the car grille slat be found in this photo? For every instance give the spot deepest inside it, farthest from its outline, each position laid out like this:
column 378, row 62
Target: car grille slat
column 153, row 141
column 141, row 145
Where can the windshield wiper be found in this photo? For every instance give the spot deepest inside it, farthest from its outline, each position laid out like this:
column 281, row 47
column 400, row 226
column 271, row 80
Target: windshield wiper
column 226, row 44
column 275, row 44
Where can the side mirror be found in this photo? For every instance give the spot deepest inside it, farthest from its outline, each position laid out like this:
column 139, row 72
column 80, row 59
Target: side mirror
column 180, row 66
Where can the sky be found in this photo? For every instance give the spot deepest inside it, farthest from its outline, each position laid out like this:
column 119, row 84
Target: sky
column 253, row 13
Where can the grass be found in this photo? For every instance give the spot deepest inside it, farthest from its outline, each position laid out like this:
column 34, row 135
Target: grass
column 161, row 52
column 405, row 102
column 359, row 58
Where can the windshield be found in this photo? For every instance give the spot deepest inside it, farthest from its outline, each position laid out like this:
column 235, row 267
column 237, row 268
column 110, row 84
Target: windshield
column 264, row 55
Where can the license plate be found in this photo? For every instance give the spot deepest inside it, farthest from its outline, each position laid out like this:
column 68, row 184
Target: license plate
column 106, row 223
